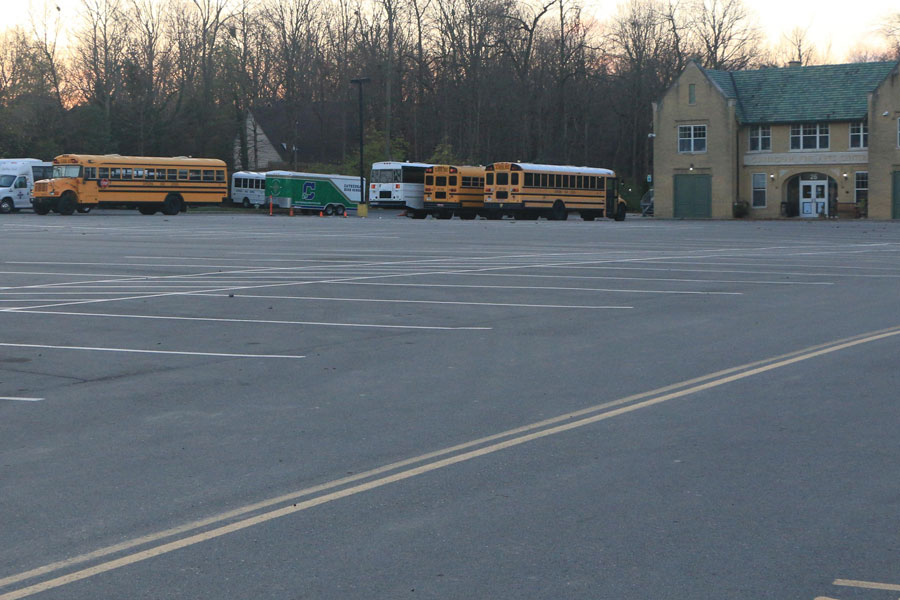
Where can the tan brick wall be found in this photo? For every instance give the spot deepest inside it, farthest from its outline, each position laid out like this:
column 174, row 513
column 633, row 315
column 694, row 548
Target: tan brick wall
column 718, row 114
column 825, row 162
column 884, row 153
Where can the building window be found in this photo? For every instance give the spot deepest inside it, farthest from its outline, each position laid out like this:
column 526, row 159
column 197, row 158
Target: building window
column 809, row 137
column 862, row 187
column 760, row 138
column 859, row 135
column 692, row 93
column 691, row 138
column 759, row 190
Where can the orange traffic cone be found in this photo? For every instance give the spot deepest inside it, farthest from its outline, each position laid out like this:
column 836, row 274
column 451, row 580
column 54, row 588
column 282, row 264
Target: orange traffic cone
column 292, row 210
column 321, row 214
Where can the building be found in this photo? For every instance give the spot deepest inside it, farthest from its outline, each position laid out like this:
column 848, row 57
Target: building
column 278, row 135
column 779, row 142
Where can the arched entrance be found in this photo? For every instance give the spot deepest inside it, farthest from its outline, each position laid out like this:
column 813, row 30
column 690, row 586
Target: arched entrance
column 810, row 195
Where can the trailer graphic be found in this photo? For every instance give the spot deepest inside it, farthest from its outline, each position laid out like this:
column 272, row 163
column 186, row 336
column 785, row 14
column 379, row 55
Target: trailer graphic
column 313, row 192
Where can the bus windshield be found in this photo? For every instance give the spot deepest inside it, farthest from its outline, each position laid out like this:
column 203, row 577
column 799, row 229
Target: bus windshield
column 386, row 176
column 6, row 180
column 66, row 171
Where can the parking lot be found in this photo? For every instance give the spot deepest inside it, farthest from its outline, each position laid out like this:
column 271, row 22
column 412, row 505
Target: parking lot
column 242, row 406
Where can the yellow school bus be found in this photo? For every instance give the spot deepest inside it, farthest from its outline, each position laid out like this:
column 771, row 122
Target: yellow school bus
column 450, row 189
column 528, row 191
column 81, row 182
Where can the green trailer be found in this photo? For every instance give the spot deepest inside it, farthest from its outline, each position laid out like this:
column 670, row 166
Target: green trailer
column 313, row 192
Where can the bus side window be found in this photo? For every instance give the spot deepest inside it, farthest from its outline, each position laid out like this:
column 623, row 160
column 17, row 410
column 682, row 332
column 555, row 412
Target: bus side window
column 489, row 179
column 514, row 179
column 429, row 180
column 182, row 174
column 139, row 173
column 209, row 175
column 104, row 172
column 529, row 179
column 453, row 180
column 127, row 173
column 195, row 175
column 601, row 183
column 220, row 176
column 115, row 173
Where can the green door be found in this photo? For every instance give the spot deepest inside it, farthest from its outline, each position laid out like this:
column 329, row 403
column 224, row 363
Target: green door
column 895, row 204
column 693, row 196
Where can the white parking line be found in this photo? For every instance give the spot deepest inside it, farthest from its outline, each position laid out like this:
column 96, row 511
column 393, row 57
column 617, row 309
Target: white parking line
column 27, row 311
column 333, row 299
column 535, row 287
column 20, row 399
column 140, row 351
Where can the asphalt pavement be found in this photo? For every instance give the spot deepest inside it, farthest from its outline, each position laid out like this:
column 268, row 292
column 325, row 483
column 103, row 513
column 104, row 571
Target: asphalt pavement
column 234, row 406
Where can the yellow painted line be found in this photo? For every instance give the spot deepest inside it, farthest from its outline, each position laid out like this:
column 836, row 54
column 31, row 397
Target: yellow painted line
column 868, row 585
column 523, row 435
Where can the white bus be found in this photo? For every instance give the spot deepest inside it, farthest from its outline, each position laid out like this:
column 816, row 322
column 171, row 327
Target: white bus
column 17, row 177
column 248, row 188
column 399, row 185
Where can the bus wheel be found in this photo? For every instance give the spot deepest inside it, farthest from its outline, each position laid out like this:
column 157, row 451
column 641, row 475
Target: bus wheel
column 246, row 203
column 558, row 212
column 339, row 210
column 147, row 210
column 171, row 205
column 329, row 210
column 84, row 209
column 6, row 206
column 40, row 207
column 67, row 203
column 620, row 212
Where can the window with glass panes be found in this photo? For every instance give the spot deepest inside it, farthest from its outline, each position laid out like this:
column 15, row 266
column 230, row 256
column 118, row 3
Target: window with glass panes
column 810, row 136
column 760, row 138
column 861, row 193
column 759, row 190
column 859, row 135
column 691, row 138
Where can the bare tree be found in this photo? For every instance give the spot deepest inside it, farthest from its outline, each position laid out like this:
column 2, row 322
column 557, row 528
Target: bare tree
column 726, row 33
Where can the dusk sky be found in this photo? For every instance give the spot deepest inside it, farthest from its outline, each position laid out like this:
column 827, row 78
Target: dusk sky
column 836, row 25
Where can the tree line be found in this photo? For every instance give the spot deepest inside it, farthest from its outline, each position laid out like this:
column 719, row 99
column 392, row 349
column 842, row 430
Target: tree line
column 468, row 81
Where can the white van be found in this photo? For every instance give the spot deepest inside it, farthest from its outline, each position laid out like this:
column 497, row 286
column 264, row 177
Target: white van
column 17, row 177
column 248, row 188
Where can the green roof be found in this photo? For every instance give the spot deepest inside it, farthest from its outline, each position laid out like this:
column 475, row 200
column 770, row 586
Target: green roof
column 802, row 94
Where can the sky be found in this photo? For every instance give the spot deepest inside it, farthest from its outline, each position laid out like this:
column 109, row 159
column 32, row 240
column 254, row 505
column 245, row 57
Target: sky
column 836, row 27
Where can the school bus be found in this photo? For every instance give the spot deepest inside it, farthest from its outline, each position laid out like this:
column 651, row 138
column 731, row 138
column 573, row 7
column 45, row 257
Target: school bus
column 80, row 182
column 450, row 189
column 528, row 191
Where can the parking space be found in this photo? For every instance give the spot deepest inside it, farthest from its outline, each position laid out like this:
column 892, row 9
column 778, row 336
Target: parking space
column 157, row 373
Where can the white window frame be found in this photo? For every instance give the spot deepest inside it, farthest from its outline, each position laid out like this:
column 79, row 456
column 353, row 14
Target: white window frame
column 694, row 138
column 862, row 133
column 898, row 132
column 754, row 189
column 856, row 188
column 760, row 133
column 801, row 132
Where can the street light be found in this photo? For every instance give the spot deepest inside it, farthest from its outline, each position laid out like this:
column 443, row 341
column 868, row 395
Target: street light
column 362, row 172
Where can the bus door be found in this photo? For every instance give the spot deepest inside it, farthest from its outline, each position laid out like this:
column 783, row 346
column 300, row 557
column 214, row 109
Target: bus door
column 612, row 194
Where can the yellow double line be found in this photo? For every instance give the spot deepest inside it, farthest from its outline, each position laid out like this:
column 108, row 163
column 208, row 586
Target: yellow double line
column 236, row 520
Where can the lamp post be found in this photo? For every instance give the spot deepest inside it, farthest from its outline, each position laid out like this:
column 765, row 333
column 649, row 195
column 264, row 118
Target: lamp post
column 363, row 209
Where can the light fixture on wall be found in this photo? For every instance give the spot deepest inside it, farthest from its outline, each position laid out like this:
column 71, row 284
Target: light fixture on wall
column 691, row 168
column 885, row 113
column 772, row 176
column 845, row 176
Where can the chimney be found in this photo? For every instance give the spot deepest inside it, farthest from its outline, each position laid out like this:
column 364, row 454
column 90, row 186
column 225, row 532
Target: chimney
column 793, row 63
